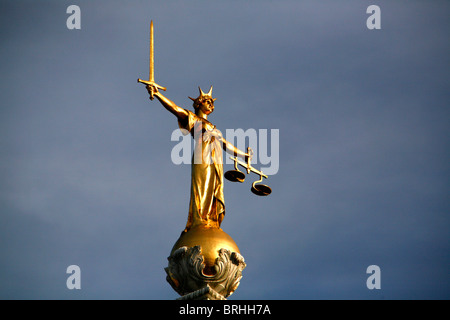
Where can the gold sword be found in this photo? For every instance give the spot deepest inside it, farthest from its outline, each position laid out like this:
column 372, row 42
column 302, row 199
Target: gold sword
column 151, row 76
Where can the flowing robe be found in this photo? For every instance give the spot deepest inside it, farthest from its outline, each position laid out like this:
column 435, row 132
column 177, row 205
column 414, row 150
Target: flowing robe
column 207, row 204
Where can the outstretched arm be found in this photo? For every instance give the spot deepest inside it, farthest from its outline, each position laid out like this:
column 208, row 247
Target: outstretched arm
column 231, row 149
column 179, row 112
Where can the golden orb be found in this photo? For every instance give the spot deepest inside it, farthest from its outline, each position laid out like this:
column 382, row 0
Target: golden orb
column 211, row 240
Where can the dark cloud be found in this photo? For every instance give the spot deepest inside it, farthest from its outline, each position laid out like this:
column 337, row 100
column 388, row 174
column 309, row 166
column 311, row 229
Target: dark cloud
column 86, row 174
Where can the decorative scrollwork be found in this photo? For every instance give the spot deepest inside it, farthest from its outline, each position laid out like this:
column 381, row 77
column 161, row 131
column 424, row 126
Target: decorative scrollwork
column 186, row 271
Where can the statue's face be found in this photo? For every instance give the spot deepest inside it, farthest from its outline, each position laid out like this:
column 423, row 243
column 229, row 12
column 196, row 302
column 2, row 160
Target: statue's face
column 207, row 106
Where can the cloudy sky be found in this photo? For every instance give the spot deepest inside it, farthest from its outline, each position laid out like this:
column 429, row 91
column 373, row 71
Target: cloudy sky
column 86, row 175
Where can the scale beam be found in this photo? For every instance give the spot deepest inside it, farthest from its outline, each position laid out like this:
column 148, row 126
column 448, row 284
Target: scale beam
column 248, row 167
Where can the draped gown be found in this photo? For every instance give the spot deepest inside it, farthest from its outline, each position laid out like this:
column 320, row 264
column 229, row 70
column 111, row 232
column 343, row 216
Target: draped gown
column 207, row 204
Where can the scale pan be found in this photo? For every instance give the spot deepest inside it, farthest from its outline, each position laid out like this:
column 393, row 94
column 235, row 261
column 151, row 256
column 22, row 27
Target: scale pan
column 235, row 176
column 261, row 190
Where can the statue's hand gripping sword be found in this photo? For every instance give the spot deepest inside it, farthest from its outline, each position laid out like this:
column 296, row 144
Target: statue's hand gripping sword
column 151, row 80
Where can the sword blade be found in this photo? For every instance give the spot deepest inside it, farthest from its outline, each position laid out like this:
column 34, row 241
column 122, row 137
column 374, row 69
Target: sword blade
column 151, row 76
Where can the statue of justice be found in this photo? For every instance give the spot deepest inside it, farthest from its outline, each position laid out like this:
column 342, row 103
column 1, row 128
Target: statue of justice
column 207, row 204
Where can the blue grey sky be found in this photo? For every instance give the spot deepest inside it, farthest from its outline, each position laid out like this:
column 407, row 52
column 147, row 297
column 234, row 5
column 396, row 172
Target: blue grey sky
column 86, row 176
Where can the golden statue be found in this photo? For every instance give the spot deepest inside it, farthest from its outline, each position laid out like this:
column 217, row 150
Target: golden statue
column 202, row 234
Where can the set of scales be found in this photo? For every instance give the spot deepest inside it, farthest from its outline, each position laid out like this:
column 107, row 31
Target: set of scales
column 237, row 175
column 205, row 262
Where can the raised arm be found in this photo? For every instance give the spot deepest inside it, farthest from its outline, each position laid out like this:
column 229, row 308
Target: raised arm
column 179, row 112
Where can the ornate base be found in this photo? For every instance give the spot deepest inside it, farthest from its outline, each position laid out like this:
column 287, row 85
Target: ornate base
column 186, row 274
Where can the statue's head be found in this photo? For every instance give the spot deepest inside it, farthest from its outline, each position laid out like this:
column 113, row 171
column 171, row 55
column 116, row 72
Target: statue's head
column 204, row 102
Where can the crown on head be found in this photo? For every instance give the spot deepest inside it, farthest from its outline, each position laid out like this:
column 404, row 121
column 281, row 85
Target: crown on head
column 203, row 96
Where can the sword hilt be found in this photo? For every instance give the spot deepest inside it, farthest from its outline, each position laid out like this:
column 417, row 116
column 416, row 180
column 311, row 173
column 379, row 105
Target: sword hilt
column 151, row 83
